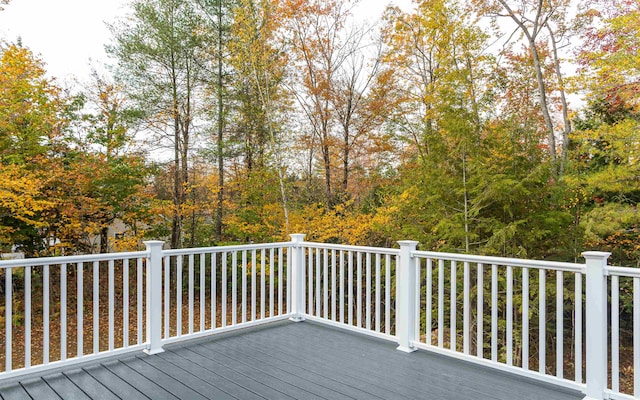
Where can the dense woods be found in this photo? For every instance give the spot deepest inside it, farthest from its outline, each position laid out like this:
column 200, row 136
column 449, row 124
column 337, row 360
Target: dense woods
column 494, row 127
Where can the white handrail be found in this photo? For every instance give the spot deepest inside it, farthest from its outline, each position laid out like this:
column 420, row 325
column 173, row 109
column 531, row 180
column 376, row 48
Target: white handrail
column 503, row 261
column 344, row 247
column 34, row 262
column 221, row 249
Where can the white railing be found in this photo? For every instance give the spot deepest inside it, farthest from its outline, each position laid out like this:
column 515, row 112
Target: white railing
column 623, row 282
column 557, row 322
column 222, row 288
column 525, row 317
column 499, row 311
column 349, row 286
column 70, row 305
column 64, row 310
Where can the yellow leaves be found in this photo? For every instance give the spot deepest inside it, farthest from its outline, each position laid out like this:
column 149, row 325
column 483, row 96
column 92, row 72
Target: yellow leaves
column 339, row 225
column 20, row 199
column 30, row 106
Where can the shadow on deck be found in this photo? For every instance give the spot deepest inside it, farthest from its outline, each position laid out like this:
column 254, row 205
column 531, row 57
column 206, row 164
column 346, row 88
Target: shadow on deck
column 282, row 361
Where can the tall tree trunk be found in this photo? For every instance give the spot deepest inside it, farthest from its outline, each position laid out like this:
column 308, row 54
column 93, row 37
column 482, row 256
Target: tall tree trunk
column 537, row 66
column 178, row 200
column 542, row 95
column 345, row 161
column 220, row 94
column 466, row 201
column 326, row 158
column 104, row 239
column 176, row 225
column 566, row 132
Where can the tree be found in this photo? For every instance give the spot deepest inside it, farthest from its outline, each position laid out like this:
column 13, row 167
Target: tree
column 542, row 24
column 609, row 57
column 362, row 98
column 320, row 45
column 31, row 107
column 605, row 147
column 260, row 68
column 438, row 54
column 218, row 17
column 161, row 57
column 108, row 137
column 21, row 205
column 33, row 117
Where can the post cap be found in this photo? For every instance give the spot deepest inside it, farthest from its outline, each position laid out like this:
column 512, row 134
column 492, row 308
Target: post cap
column 297, row 237
column 596, row 255
column 412, row 244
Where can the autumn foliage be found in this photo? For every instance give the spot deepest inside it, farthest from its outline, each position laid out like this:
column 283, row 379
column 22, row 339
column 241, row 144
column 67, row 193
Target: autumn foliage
column 245, row 121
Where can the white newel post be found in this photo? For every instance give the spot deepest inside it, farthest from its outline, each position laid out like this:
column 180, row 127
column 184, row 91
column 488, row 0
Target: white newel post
column 297, row 277
column 154, row 297
column 406, row 297
column 596, row 324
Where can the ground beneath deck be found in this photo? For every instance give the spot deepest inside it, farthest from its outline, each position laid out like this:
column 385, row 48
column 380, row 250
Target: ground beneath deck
column 283, row 361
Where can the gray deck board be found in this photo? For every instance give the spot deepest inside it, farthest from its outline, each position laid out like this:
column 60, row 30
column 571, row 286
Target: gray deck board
column 218, row 381
column 172, row 385
column 287, row 387
column 367, row 374
column 382, row 362
column 113, row 383
column 15, row 391
column 282, row 361
column 92, row 387
column 149, row 388
column 417, row 371
column 241, row 379
column 334, row 376
column 38, row 389
column 65, row 388
column 198, row 384
column 284, row 371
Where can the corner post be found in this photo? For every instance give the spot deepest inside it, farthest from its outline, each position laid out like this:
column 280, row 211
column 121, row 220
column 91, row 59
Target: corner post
column 154, row 297
column 405, row 297
column 596, row 324
column 297, row 277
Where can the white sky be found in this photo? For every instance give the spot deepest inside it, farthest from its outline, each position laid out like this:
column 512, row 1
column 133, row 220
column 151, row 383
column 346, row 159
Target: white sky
column 67, row 34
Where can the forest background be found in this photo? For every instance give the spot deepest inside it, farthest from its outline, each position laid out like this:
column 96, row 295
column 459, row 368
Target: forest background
column 245, row 120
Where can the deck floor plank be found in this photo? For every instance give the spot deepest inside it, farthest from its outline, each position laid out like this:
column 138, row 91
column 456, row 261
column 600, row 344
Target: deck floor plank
column 281, row 384
column 469, row 379
column 90, row 385
column 363, row 373
column 284, row 371
column 243, row 380
column 164, row 380
column 226, row 385
column 199, row 385
column 148, row 387
column 39, row 389
column 334, row 376
column 386, row 362
column 113, row 383
column 14, row 392
column 282, row 361
column 65, row 388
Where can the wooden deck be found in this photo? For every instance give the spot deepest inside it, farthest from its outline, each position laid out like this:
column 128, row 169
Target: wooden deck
column 282, row 361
